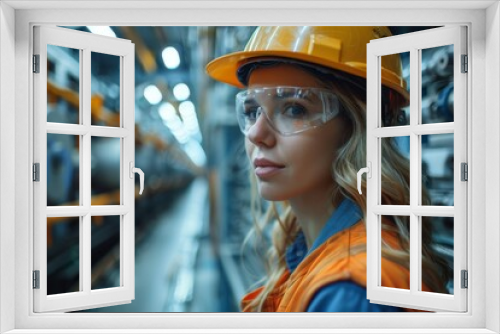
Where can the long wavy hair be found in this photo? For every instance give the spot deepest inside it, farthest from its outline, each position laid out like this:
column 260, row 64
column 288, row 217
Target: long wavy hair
column 351, row 157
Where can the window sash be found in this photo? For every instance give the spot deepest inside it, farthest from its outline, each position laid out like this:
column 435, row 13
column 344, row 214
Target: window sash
column 414, row 298
column 86, row 297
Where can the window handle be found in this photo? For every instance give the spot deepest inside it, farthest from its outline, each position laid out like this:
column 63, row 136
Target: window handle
column 368, row 171
column 141, row 175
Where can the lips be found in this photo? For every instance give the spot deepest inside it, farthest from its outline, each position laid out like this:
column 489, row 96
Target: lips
column 266, row 168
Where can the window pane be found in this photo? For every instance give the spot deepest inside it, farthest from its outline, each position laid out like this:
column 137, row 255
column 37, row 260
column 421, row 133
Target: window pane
column 395, row 248
column 395, row 106
column 105, row 257
column 63, row 84
column 63, row 255
column 63, row 166
column 105, row 170
column 105, row 87
column 437, row 169
column 437, row 254
column 395, row 166
column 437, row 84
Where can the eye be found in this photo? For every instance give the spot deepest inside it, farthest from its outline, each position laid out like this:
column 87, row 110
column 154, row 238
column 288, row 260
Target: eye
column 294, row 110
column 250, row 112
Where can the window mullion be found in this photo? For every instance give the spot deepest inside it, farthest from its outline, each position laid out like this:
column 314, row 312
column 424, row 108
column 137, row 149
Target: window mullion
column 414, row 170
column 86, row 167
column 108, row 210
column 422, row 129
column 85, row 274
column 66, row 129
column 80, row 211
column 434, row 129
column 395, row 131
column 66, row 211
column 86, row 113
column 422, row 211
column 82, row 255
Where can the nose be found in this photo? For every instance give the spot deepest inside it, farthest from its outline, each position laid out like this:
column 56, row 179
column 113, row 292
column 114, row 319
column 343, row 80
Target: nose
column 261, row 133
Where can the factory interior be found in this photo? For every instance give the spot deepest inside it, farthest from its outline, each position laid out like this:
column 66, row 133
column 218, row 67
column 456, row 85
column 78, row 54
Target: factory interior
column 192, row 253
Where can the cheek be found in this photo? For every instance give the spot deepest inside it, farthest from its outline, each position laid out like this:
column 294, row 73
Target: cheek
column 333, row 138
column 319, row 159
column 317, row 156
column 311, row 159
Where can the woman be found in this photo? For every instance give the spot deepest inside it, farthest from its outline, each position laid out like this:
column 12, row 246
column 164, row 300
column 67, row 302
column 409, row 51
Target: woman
column 303, row 117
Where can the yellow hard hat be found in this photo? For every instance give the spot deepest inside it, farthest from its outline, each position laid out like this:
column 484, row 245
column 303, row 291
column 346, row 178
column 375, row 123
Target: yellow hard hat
column 339, row 48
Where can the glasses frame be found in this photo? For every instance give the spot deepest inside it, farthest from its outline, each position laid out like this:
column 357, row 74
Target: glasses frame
column 270, row 122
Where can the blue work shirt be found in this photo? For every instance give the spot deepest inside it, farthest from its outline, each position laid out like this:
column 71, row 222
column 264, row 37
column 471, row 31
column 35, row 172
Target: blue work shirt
column 341, row 296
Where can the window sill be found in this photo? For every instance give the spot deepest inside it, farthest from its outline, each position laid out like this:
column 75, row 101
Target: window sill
column 247, row 331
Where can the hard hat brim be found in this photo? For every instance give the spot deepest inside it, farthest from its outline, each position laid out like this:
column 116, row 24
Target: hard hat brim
column 224, row 68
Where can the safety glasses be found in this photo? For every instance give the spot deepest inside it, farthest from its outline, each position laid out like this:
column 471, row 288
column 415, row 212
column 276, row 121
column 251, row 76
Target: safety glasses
column 289, row 110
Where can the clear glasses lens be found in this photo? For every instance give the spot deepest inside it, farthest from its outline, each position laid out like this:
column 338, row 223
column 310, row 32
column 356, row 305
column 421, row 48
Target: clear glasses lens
column 289, row 110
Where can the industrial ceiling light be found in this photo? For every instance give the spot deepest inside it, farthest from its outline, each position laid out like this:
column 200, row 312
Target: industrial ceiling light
column 181, row 92
column 152, row 94
column 167, row 111
column 170, row 57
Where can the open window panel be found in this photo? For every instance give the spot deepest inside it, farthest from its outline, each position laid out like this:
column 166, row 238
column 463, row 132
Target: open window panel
column 428, row 138
column 73, row 213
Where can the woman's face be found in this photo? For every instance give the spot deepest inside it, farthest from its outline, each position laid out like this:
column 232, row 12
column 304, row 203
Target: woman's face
column 288, row 167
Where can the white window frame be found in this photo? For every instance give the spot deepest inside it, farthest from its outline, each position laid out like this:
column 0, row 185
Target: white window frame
column 16, row 21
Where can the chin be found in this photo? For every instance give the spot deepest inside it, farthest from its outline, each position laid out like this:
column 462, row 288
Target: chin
column 272, row 194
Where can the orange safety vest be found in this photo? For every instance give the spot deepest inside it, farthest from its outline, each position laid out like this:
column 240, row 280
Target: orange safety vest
column 341, row 257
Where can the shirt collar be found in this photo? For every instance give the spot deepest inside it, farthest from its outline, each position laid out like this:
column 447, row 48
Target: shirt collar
column 346, row 215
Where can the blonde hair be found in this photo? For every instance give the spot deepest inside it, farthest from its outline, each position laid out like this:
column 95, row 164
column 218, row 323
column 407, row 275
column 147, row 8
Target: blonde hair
column 351, row 157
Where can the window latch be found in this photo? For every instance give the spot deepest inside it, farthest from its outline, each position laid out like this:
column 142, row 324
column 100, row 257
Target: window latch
column 368, row 171
column 141, row 175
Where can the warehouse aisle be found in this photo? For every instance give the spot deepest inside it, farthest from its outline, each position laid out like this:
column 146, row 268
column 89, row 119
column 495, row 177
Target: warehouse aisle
column 171, row 275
